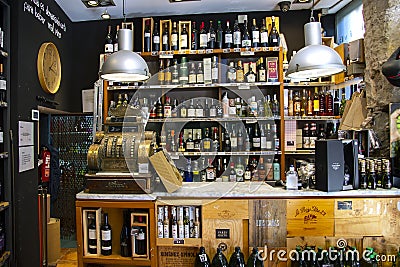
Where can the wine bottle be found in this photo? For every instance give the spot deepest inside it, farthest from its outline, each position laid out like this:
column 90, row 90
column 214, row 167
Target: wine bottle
column 184, row 39
column 181, row 228
column 192, row 73
column 255, row 34
column 206, row 143
column 186, row 225
column 125, row 240
column 237, row 258
column 166, row 222
column 174, row 37
column 92, row 233
column 246, row 41
column 203, row 37
column 175, row 72
column 183, row 71
column 200, row 73
column 165, row 38
column 141, row 241
column 161, row 73
column 211, row 36
column 387, row 176
column 109, row 47
column 219, row 259
column 262, row 77
column 160, row 222
column 372, row 175
column 106, row 242
column 237, row 35
column 239, row 170
column 168, row 73
column 219, row 36
column 214, row 70
column 195, row 36
column 174, row 223
column 147, row 37
column 263, row 35
column 254, row 259
column 202, row 259
column 239, row 72
column 273, row 38
column 196, row 224
column 363, row 174
column 156, row 38
column 228, row 36
column 115, row 41
column 196, row 172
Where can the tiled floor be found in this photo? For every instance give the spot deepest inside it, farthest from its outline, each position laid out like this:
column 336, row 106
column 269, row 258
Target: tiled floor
column 68, row 258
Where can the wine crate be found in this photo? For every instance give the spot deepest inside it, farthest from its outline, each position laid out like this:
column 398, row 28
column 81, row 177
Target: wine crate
column 328, row 41
column 151, row 24
column 177, row 256
column 268, row 24
column 188, row 25
column 270, row 256
column 227, row 209
column 359, row 217
column 343, row 51
column 85, row 230
column 307, row 217
column 137, row 224
column 162, row 26
column 391, row 217
column 382, row 245
column 304, row 241
column 267, row 223
column 340, row 241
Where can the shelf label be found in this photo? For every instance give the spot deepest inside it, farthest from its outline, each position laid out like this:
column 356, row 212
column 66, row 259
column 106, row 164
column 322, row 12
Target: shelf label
column 166, row 56
column 226, row 50
column 264, row 49
column 193, row 52
column 247, row 53
column 222, row 233
column 201, row 51
column 244, row 87
column 154, row 53
column 209, row 51
column 236, row 50
column 186, row 51
column 257, row 49
column 179, row 241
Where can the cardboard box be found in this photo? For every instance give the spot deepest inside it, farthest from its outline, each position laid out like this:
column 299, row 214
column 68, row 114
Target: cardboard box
column 53, row 240
column 167, row 171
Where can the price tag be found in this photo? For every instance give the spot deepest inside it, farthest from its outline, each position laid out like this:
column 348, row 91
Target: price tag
column 179, row 241
column 183, row 52
column 226, row 50
column 202, row 51
column 265, row 49
column 193, row 52
column 236, row 50
column 209, row 51
column 276, row 48
column 154, row 53
column 257, row 49
column 247, row 53
column 166, row 55
column 244, row 86
column 251, row 121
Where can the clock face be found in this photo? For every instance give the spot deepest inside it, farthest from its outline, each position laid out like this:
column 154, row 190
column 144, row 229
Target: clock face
column 49, row 68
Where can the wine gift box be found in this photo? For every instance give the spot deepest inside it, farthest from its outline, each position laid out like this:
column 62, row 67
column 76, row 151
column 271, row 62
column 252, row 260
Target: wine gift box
column 151, row 25
column 85, row 225
column 162, row 27
column 188, row 25
column 136, row 225
column 268, row 23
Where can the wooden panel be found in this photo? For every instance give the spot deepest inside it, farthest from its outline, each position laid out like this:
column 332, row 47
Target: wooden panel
column 310, row 217
column 342, row 50
column 267, row 223
column 386, row 248
column 304, row 241
column 177, row 256
column 227, row 209
column 238, row 236
column 270, row 258
column 359, row 217
column 391, row 217
column 350, row 241
column 187, row 242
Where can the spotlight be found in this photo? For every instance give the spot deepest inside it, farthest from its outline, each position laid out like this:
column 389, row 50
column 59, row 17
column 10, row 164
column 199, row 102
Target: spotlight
column 105, row 15
column 92, row 3
column 284, row 5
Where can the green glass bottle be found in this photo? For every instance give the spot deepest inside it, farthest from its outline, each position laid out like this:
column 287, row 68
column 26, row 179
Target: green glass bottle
column 219, row 259
column 254, row 259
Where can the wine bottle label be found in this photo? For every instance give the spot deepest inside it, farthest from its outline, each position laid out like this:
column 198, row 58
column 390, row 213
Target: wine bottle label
column 214, row 73
column 187, row 231
column 264, row 37
column 181, row 231
column 189, row 145
column 200, row 78
column 105, row 235
column 191, row 112
column 146, row 35
column 183, row 112
column 246, row 43
column 167, row 112
column 264, row 142
column 175, row 231
column 141, row 236
column 199, row 113
column 174, row 39
column 247, row 175
column 192, row 78
column 239, row 76
column 237, row 38
column 232, row 111
column 296, row 107
column 106, row 247
column 239, row 172
column 196, row 231
column 203, row 257
column 115, row 47
column 92, row 233
column 184, row 78
column 257, row 142
column 228, row 38
column 203, row 40
column 160, row 230
column 108, row 48
column 207, row 145
column 306, row 142
column 269, row 144
column 168, row 77
column 231, row 76
column 166, row 230
column 312, row 141
column 156, row 39
column 165, row 40
column 261, row 76
column 256, row 36
column 160, row 76
column 92, row 247
column 213, row 112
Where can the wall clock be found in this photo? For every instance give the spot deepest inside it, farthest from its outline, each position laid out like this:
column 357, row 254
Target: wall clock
column 49, row 67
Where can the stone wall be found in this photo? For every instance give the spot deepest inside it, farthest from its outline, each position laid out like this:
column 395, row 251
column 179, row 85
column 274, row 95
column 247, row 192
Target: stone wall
column 382, row 37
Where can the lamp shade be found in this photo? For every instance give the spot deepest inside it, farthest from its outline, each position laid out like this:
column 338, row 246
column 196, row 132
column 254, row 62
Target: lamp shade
column 314, row 60
column 125, row 65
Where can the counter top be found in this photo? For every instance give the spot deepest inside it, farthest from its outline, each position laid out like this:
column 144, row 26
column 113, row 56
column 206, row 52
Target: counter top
column 216, row 190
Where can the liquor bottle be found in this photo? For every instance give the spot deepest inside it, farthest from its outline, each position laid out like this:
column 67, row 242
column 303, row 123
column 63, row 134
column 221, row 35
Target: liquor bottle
column 109, row 47
column 206, row 143
column 303, row 104
column 106, row 242
column 166, row 222
column 342, row 104
column 328, row 104
column 238, row 104
column 189, row 143
column 237, row 258
column 310, row 104
column 247, row 140
column 322, row 103
column 378, row 172
column 228, row 38
column 211, row 172
column 183, row 71
column 247, row 171
column 239, row 170
column 165, row 38
column 227, row 140
column 219, row 259
column 159, row 110
column 336, row 104
column 254, row 259
column 268, row 137
column 363, row 174
column 246, row 41
column 219, row 36
column 267, row 107
column 275, row 137
column 232, row 173
column 115, row 40
column 250, row 76
column 233, row 139
column 275, row 106
column 321, row 133
column 255, row 34
column 199, row 110
column 191, row 111
column 197, row 142
column 167, row 107
column 296, row 104
column 211, row 36
column 165, row 75
column 184, row 38
column 239, row 72
column 92, row 233
column 195, row 36
column 156, row 38
column 125, row 237
column 273, row 38
column 152, row 113
column 175, row 72
column 316, row 103
column 263, row 138
column 215, row 143
column 244, row 110
column 231, row 73
column 292, row 179
column 277, row 170
column 174, row 222
column 174, row 108
column 196, row 172
column 173, row 144
column 160, row 222
column 183, row 110
column 147, row 37
column 240, row 140
column 237, row 35
column 203, row 37
column 202, row 259
column 261, row 170
column 263, row 35
column 200, row 73
column 192, row 73
column 225, row 105
column 196, row 223
column 262, row 77
column 212, row 110
column 290, row 103
column 181, row 226
column 214, row 70
column 371, row 175
column 313, row 135
column 256, row 140
column 387, row 176
column 188, row 174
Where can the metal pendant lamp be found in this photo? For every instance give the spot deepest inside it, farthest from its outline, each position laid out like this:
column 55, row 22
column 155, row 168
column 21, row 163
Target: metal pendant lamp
column 125, row 65
column 314, row 60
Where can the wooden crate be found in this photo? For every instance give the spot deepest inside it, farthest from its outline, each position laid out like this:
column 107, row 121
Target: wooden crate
column 162, row 26
column 386, row 247
column 227, row 209
column 267, row 223
column 391, row 217
column 177, row 256
column 343, row 51
column 144, row 20
column 359, row 217
column 310, row 217
column 271, row 256
column 350, row 241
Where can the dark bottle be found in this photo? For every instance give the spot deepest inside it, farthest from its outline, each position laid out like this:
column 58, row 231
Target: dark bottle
column 228, row 37
column 115, row 40
column 321, row 133
column 256, row 139
column 255, row 34
column 195, row 36
column 211, row 36
column 202, row 259
column 106, row 241
column 246, row 41
column 372, row 175
column 273, row 38
column 220, row 36
column 167, row 72
column 363, row 174
column 216, row 147
column 387, row 176
column 237, row 35
column 125, row 240
column 174, row 37
column 206, row 143
column 184, row 39
column 203, row 37
column 254, row 260
column 140, row 246
column 322, row 104
column 237, row 258
column 336, row 104
column 188, row 174
column 165, row 38
column 92, row 233
column 328, row 104
column 156, row 38
column 219, row 259
column 159, row 109
column 109, row 47
column 263, row 35
column 227, row 140
column 147, row 37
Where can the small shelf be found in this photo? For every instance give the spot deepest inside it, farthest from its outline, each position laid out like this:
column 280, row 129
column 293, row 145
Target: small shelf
column 4, row 257
column 181, row 242
column 116, row 259
column 238, row 153
column 300, row 152
column 350, row 82
column 313, row 118
column 229, row 119
column 307, row 84
column 4, row 205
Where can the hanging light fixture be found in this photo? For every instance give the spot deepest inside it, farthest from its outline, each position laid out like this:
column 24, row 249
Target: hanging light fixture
column 125, row 65
column 314, row 60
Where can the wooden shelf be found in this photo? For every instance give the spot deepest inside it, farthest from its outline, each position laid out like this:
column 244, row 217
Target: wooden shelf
column 300, row 152
column 313, row 118
column 308, row 84
column 238, row 153
column 353, row 81
column 4, row 257
column 186, row 242
column 229, row 119
column 116, row 260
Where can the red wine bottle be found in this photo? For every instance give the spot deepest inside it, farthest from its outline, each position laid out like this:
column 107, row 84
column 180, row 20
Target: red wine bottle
column 106, row 243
